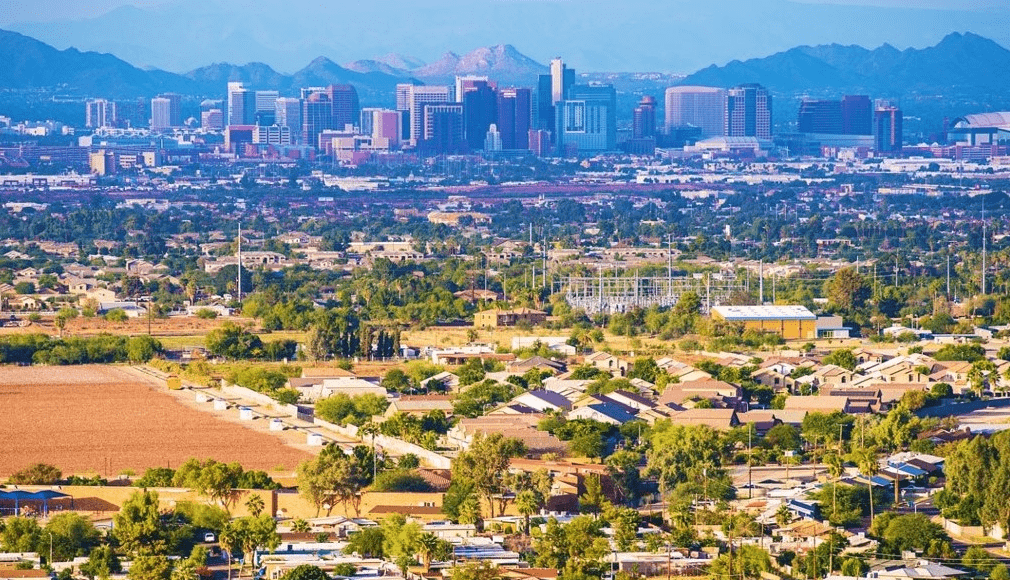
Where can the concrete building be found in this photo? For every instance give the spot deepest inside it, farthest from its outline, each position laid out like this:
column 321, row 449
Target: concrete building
column 887, row 124
column 587, row 121
column 241, row 105
column 417, row 97
column 288, row 113
column 693, row 106
column 166, row 112
column 496, row 318
column 790, row 322
column 749, row 112
column 514, row 117
column 644, row 120
column 100, row 113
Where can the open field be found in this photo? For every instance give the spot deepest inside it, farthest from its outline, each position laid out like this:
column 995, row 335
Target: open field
column 102, row 419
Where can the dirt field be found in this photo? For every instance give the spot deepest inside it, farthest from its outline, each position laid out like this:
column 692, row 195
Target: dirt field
column 101, row 419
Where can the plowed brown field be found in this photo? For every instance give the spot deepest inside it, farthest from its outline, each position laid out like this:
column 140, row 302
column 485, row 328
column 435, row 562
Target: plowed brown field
column 101, row 419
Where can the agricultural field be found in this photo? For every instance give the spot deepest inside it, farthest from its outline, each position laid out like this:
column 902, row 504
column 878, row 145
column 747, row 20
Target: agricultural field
column 104, row 420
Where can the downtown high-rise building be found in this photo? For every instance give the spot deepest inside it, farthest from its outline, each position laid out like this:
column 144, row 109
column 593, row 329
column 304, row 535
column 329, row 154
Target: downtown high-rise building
column 749, row 112
column 100, row 113
column 887, row 127
column 383, row 126
column 241, row 105
column 211, row 115
column 643, row 124
column 515, row 116
column 317, row 116
column 480, row 111
column 857, row 115
column 266, row 107
column 693, row 106
column 443, row 129
column 417, row 97
column 166, row 112
column 288, row 113
column 587, row 120
column 850, row 116
column 468, row 82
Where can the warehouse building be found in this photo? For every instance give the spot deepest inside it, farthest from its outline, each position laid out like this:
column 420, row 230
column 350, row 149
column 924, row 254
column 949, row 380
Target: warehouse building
column 790, row 322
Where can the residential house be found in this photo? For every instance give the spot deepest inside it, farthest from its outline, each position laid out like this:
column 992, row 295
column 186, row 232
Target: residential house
column 500, row 318
column 608, row 363
column 543, row 400
column 607, row 412
column 419, row 405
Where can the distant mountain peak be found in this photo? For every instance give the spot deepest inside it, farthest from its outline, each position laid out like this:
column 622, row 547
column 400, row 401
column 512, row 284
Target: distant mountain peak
column 966, row 61
column 503, row 61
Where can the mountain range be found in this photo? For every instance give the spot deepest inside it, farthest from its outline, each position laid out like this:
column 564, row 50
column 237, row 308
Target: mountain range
column 958, row 64
column 673, row 36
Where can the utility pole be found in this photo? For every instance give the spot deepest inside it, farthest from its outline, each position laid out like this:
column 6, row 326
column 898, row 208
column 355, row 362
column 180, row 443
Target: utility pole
column 761, row 282
column 983, row 245
column 239, row 287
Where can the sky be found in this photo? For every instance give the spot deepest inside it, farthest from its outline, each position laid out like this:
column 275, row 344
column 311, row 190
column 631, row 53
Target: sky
column 49, row 10
column 674, row 36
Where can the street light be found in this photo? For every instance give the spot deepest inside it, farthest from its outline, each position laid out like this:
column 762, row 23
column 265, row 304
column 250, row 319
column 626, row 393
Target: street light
column 50, row 548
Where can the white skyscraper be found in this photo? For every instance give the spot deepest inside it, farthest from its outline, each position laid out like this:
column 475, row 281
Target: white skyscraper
column 416, row 99
column 703, row 107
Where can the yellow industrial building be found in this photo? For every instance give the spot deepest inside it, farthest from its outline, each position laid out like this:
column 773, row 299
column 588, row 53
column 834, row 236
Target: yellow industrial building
column 790, row 322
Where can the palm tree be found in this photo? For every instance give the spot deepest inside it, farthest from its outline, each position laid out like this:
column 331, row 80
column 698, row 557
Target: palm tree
column 866, row 459
column 255, row 504
column 835, row 470
column 427, row 545
column 372, row 429
column 527, row 504
column 300, row 526
column 783, row 516
column 230, row 541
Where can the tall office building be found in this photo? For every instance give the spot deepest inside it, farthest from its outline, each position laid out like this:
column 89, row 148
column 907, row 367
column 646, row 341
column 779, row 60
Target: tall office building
column 692, row 106
column 887, row 121
column 644, row 120
column 465, row 83
column 544, row 118
column 403, row 106
column 344, row 101
column 100, row 113
column 417, row 97
column 383, row 126
column 480, row 110
column 443, row 129
column 587, row 120
column 241, row 105
column 288, row 113
column 562, row 80
column 820, row 116
column 266, row 108
column 857, row 115
column 166, row 112
column 749, row 112
column 514, row 120
column 317, row 116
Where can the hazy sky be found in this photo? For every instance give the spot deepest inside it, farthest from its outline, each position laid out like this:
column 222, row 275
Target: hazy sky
column 677, row 36
column 48, row 10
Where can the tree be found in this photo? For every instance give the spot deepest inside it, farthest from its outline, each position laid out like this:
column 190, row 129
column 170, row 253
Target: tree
column 999, row 572
column 255, row 504
column 156, row 477
column 592, row 500
column 746, row 561
column 73, row 535
column 367, row 543
column 102, row 563
column 305, row 572
column 211, row 478
column 252, row 533
column 36, row 474
column 527, row 504
column 978, row 558
column 21, row 534
column 842, row 357
column 150, row 567
column 400, row 539
column 486, row 463
column 847, row 291
column 300, row 526
column 427, row 546
column 623, row 468
column 474, row 571
column 866, row 459
column 138, row 527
